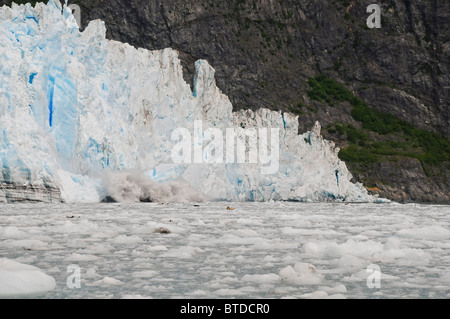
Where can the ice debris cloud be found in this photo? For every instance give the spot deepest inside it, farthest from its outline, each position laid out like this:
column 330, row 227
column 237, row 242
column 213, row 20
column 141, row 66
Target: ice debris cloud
column 75, row 104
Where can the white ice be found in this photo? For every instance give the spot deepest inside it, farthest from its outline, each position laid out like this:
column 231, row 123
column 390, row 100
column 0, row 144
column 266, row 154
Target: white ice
column 258, row 250
column 18, row 279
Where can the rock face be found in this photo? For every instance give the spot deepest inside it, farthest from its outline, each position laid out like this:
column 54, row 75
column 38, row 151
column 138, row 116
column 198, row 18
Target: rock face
column 405, row 179
column 264, row 52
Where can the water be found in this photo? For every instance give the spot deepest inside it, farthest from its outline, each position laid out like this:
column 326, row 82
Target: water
column 212, row 252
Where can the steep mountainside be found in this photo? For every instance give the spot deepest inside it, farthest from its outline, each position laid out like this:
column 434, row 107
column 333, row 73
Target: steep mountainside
column 382, row 95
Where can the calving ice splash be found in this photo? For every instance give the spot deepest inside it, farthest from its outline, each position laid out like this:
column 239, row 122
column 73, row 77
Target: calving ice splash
column 84, row 118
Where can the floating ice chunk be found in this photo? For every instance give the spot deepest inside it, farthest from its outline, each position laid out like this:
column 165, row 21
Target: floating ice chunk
column 91, row 273
column 99, row 248
column 107, row 281
column 263, row 244
column 229, row 292
column 158, row 248
column 29, row 244
column 182, row 252
column 315, row 295
column 394, row 251
column 235, row 240
column 84, row 226
column 144, row 274
column 80, row 257
column 363, row 249
column 128, row 240
column 262, row 279
column 323, row 249
column 392, row 243
column 199, row 293
column 339, row 289
column 8, row 232
column 427, row 232
column 445, row 278
column 330, row 249
column 21, row 279
column 351, row 263
column 300, row 274
column 245, row 233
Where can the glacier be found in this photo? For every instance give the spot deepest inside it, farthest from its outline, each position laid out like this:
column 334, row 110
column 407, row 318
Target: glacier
column 84, row 118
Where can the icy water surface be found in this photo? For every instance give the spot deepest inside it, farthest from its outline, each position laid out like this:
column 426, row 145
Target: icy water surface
column 258, row 250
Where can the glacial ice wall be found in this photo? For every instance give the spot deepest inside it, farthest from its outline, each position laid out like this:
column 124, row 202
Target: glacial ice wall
column 83, row 118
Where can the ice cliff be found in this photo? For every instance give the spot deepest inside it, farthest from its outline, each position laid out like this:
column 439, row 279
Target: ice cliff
column 83, row 118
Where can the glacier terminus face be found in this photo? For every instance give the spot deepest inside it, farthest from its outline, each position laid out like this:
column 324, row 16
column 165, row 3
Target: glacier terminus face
column 84, row 118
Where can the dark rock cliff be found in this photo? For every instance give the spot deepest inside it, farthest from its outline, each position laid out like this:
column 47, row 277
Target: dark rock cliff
column 266, row 51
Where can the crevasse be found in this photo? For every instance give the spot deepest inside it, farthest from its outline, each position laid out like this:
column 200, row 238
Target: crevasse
column 91, row 118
